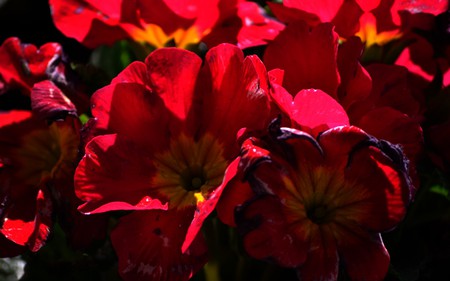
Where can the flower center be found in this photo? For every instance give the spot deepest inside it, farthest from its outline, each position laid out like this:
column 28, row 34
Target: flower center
column 46, row 151
column 189, row 170
column 193, row 178
column 318, row 214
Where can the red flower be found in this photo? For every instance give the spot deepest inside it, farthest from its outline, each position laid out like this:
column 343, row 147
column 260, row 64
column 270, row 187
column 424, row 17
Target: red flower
column 24, row 64
column 166, row 151
column 323, row 202
column 159, row 22
column 378, row 99
column 37, row 161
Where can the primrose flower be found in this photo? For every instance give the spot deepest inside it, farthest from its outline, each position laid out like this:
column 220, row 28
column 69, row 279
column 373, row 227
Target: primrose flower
column 323, row 202
column 165, row 148
column 38, row 161
column 164, row 22
column 378, row 99
column 36, row 179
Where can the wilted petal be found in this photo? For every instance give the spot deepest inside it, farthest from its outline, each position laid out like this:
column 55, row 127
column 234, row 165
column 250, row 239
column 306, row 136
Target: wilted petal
column 49, row 102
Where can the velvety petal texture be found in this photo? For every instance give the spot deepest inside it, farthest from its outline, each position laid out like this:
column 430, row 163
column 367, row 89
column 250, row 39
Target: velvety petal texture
column 314, row 63
column 153, row 251
column 164, row 144
column 328, row 198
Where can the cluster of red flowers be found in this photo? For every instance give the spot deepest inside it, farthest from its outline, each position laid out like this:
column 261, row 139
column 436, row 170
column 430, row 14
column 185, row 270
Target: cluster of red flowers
column 309, row 150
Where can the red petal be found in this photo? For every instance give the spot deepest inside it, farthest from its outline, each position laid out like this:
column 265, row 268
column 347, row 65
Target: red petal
column 115, row 174
column 347, row 19
column 24, row 64
column 391, row 87
column 318, row 111
column 338, row 143
column 148, row 245
column 307, row 56
column 234, row 93
column 323, row 260
column 380, row 190
column 368, row 5
column 257, row 28
column 267, row 235
column 395, row 127
column 363, row 253
column 356, row 83
column 135, row 72
column 49, row 102
column 173, row 76
column 234, row 195
column 32, row 233
column 205, row 208
column 130, row 109
column 90, row 22
column 288, row 15
column 324, row 9
column 13, row 116
column 171, row 15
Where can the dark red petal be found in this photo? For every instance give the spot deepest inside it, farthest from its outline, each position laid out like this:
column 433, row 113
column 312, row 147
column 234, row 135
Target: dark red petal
column 171, row 15
column 347, row 19
column 234, row 93
column 362, row 253
column 384, row 183
column 148, row 245
column 391, row 125
column 234, row 195
column 322, row 262
column 337, row 144
column 130, row 109
column 204, row 208
column 49, row 102
column 392, row 87
column 287, row 14
column 115, row 174
column 326, row 10
column 307, row 56
column 267, row 235
column 356, row 83
column 173, row 76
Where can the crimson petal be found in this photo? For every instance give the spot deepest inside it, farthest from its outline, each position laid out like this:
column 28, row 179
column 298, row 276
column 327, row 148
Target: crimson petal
column 153, row 252
column 49, row 102
column 105, row 171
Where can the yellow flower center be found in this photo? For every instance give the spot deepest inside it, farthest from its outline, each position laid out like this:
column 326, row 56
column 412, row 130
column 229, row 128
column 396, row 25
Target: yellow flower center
column 154, row 35
column 189, row 170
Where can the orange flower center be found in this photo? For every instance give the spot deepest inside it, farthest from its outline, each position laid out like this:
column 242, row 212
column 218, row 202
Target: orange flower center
column 189, row 170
